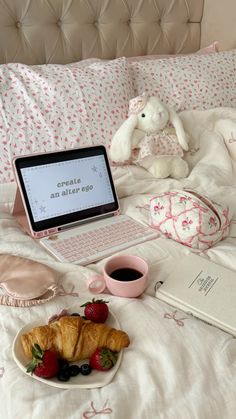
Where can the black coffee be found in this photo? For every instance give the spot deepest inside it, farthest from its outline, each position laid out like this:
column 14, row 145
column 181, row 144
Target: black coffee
column 126, row 274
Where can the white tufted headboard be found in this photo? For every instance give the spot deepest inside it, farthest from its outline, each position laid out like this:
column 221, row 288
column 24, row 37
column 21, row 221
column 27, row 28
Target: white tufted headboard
column 60, row 31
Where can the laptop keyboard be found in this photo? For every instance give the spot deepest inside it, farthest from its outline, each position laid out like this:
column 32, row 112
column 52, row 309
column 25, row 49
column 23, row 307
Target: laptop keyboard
column 99, row 242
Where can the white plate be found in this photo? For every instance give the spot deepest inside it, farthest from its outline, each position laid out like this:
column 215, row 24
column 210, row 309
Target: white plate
column 94, row 380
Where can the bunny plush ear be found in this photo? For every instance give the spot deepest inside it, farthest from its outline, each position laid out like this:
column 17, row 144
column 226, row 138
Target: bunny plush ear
column 178, row 125
column 121, row 144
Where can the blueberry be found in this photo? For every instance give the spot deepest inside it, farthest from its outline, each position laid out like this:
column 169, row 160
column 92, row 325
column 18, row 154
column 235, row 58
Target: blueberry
column 74, row 370
column 85, row 369
column 75, row 314
column 63, row 375
column 63, row 364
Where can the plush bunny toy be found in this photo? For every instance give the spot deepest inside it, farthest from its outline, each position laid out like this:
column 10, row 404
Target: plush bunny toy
column 147, row 139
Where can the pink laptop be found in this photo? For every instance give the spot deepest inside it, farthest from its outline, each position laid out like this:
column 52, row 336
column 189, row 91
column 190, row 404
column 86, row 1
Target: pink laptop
column 67, row 200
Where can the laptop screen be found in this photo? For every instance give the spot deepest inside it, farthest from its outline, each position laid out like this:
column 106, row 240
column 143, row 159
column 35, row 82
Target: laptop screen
column 66, row 187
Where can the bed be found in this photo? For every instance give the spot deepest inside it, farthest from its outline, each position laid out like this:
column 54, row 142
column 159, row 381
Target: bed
column 68, row 70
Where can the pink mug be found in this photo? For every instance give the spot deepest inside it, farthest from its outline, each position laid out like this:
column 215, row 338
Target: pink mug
column 123, row 275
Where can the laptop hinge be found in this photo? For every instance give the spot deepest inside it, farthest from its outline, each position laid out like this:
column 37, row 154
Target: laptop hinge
column 89, row 220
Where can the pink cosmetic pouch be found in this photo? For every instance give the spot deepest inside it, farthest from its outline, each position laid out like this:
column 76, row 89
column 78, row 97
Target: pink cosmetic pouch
column 25, row 282
column 189, row 218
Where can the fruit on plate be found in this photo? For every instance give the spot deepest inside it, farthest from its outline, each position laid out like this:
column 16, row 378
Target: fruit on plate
column 67, row 370
column 96, row 310
column 73, row 338
column 85, row 369
column 44, row 364
column 103, row 359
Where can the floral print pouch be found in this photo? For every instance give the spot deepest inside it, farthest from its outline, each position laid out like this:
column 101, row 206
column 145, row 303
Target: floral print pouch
column 189, row 218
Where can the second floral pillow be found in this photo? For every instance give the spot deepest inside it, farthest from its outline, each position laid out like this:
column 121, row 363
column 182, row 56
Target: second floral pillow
column 189, row 82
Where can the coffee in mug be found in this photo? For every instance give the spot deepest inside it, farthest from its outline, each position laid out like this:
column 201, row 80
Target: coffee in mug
column 126, row 274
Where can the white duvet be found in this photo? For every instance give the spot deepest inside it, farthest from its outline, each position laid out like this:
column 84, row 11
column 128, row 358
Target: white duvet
column 176, row 366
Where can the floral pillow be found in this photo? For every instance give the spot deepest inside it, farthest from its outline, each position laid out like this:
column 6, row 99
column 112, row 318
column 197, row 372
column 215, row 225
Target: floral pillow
column 189, row 82
column 53, row 107
column 214, row 47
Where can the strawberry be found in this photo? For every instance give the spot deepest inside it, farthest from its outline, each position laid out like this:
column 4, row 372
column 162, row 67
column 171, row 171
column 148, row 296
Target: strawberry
column 44, row 363
column 96, row 310
column 103, row 359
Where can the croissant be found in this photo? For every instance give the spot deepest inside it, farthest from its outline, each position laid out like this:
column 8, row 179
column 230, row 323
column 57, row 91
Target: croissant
column 74, row 338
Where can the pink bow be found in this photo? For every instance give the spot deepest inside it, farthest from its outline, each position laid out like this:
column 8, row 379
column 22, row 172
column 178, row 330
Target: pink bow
column 91, row 413
column 172, row 316
column 173, row 217
column 137, row 104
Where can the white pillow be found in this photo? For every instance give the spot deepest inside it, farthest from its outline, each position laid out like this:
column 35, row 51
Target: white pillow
column 52, row 107
column 189, row 82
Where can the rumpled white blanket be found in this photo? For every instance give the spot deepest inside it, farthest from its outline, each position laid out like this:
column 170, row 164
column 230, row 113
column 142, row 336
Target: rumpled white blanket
column 176, row 366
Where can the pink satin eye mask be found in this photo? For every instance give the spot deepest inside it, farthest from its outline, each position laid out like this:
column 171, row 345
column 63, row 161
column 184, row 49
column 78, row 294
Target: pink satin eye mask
column 26, row 282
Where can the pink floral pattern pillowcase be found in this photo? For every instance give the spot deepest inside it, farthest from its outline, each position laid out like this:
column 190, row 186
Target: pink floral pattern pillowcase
column 53, row 107
column 214, row 47
column 189, row 82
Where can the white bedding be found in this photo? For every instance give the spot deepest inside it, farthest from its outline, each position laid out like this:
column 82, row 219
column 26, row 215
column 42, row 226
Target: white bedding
column 172, row 369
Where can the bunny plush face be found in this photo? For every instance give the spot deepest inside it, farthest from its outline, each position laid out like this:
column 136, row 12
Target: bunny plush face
column 153, row 117
column 148, row 116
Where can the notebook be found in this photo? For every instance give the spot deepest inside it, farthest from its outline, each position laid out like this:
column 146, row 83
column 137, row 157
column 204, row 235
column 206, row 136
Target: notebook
column 64, row 194
column 204, row 289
